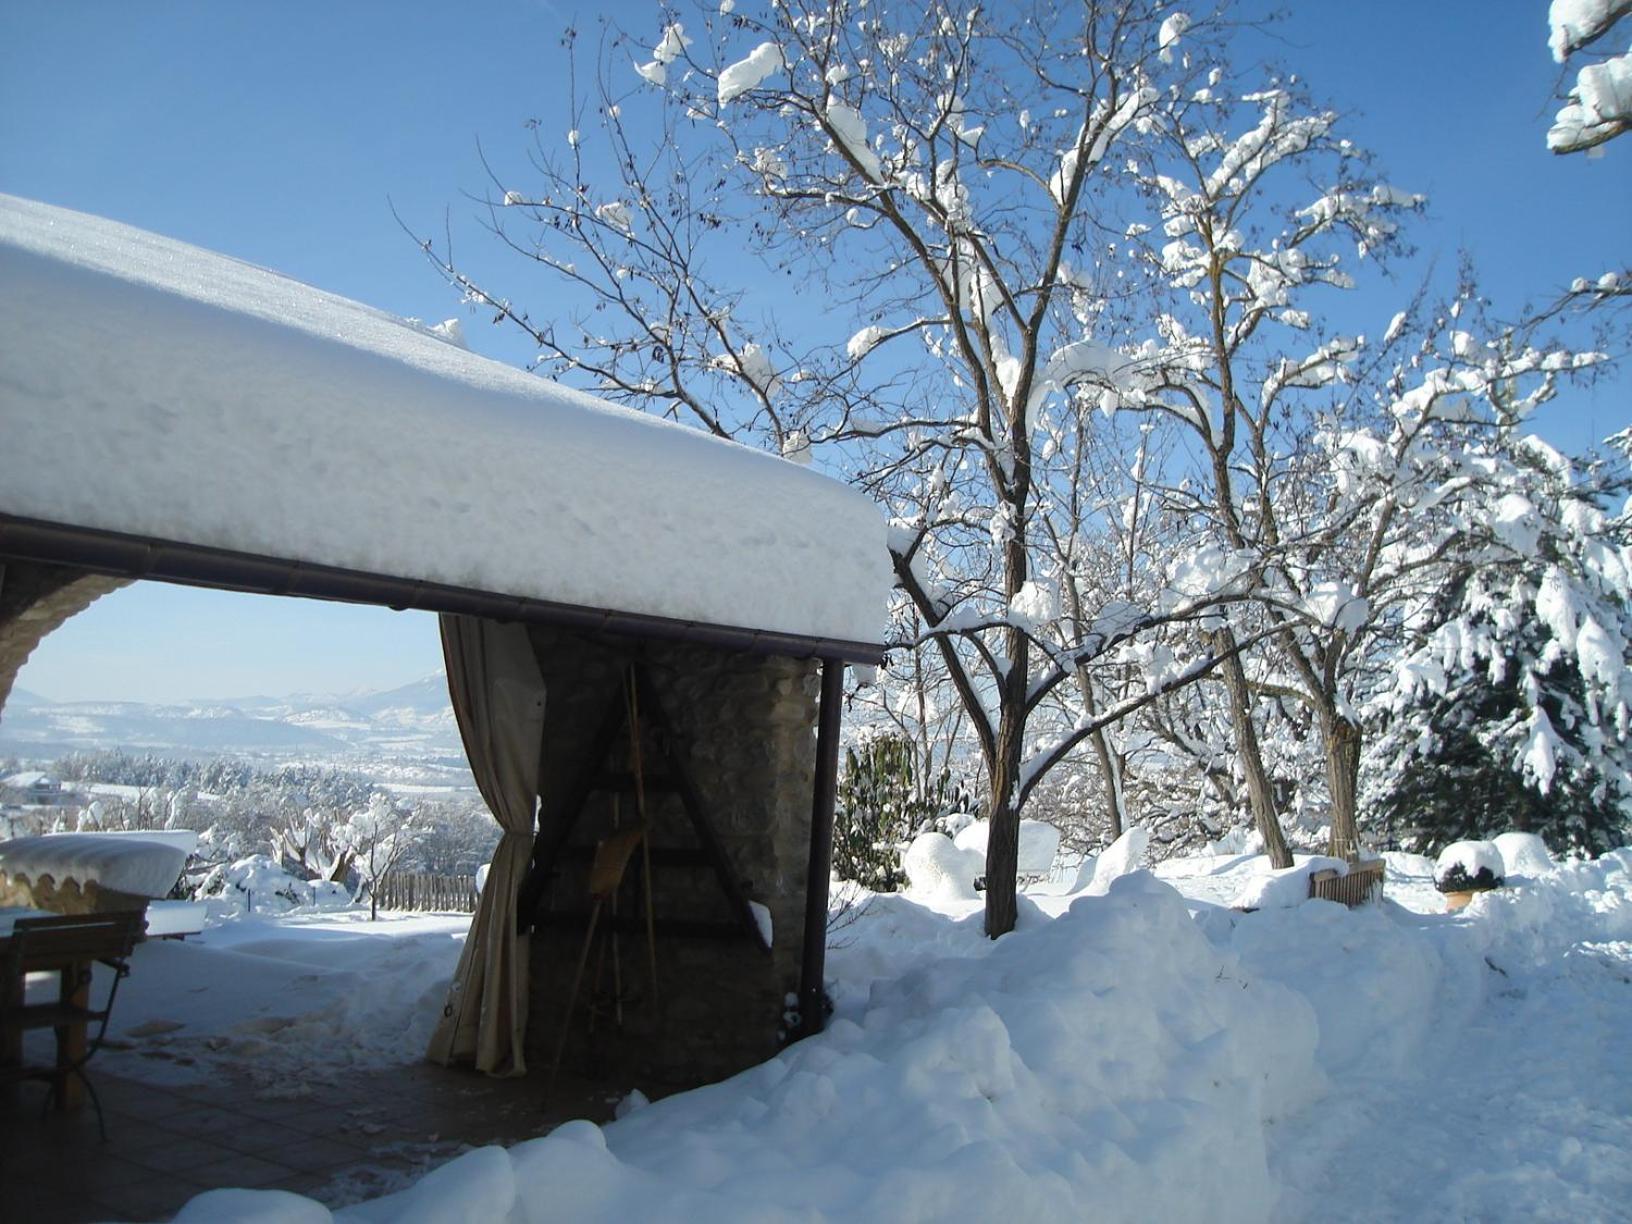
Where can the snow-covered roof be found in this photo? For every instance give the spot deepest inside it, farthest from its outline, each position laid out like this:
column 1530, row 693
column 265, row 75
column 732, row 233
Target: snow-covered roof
column 29, row 778
column 165, row 392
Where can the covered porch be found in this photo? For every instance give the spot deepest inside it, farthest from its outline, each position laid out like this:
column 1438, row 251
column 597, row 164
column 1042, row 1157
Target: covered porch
column 645, row 628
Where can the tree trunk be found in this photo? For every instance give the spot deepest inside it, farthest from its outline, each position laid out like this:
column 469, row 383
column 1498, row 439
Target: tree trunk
column 1110, row 770
column 1252, row 762
column 1003, row 841
column 1002, row 869
column 1342, row 742
column 1109, row 766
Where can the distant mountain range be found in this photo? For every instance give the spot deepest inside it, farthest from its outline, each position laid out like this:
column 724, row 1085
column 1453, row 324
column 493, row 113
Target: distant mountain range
column 410, row 724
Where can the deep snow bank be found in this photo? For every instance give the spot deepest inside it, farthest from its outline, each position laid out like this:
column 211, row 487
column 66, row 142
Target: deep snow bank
column 1121, row 1061
column 1112, row 1057
column 1481, row 1057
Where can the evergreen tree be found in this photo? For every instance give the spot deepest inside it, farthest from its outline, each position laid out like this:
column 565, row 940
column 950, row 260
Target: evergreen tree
column 881, row 805
column 1512, row 707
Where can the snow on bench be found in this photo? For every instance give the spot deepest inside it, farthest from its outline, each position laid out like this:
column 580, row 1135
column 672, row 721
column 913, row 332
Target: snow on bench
column 174, row 919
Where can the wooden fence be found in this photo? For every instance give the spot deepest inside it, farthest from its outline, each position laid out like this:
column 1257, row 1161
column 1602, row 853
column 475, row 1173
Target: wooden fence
column 419, row 890
column 1363, row 883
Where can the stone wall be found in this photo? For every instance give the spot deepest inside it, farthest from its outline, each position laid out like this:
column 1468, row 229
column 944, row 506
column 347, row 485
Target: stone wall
column 744, row 728
column 34, row 599
column 69, row 897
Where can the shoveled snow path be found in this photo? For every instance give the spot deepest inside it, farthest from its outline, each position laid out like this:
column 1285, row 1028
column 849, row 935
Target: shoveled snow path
column 1517, row 1107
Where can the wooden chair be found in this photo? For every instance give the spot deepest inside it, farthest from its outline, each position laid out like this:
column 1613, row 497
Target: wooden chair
column 70, row 945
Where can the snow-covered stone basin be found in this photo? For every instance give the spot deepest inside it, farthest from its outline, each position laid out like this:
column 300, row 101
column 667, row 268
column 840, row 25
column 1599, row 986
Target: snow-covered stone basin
column 127, row 864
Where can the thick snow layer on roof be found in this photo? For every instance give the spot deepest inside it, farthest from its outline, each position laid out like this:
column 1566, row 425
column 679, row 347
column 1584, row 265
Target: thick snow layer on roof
column 154, row 388
column 126, row 864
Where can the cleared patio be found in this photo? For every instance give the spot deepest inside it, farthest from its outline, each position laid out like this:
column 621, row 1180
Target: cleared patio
column 340, row 1141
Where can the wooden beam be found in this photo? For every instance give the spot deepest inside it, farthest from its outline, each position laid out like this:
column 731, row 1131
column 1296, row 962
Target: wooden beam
column 133, row 556
column 692, row 802
column 548, row 842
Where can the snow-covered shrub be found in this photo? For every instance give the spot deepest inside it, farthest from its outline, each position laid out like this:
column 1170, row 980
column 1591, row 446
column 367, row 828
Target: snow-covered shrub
column 257, row 883
column 1469, row 866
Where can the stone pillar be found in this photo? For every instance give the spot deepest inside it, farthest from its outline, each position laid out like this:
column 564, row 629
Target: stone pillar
column 34, row 599
column 744, row 729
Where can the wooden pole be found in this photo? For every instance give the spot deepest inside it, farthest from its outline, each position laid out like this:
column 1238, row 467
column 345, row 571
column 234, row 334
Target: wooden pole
column 811, row 999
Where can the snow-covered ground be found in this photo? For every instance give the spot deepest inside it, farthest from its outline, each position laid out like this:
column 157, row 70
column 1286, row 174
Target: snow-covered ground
column 1148, row 1053
column 284, row 999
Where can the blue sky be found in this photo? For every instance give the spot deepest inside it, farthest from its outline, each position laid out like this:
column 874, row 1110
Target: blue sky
column 278, row 134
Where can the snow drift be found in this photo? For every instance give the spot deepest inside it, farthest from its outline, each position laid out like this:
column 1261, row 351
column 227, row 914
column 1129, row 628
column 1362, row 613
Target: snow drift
column 1064, row 1065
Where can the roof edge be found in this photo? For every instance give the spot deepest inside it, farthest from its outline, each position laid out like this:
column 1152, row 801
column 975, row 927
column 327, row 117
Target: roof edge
column 102, row 551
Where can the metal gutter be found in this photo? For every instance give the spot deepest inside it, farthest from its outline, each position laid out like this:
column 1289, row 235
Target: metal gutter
column 111, row 552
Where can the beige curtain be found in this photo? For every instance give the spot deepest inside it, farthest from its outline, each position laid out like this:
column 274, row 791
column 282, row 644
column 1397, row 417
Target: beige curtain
column 498, row 699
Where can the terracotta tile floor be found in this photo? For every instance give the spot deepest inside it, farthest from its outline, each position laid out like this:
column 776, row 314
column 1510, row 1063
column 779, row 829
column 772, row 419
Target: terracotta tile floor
column 357, row 1136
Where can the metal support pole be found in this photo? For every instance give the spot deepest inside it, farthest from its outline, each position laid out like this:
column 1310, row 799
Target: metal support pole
column 811, row 1016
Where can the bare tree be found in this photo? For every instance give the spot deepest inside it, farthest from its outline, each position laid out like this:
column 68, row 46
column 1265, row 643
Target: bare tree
column 942, row 176
column 377, row 838
column 1336, row 480
column 314, row 844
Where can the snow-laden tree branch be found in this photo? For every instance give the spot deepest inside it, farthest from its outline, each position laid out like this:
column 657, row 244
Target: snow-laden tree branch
column 1598, row 106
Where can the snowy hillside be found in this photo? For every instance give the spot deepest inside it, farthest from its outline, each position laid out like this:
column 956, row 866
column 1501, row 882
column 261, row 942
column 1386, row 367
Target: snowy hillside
column 1138, row 1055
column 412, row 722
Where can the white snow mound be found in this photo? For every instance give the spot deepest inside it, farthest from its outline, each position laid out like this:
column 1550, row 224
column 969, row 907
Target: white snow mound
column 939, row 869
column 1523, row 854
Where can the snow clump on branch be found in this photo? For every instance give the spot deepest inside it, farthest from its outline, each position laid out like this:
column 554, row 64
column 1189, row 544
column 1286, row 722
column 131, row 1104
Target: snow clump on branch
column 850, row 131
column 1599, row 106
column 672, row 46
column 1168, row 36
column 750, row 73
